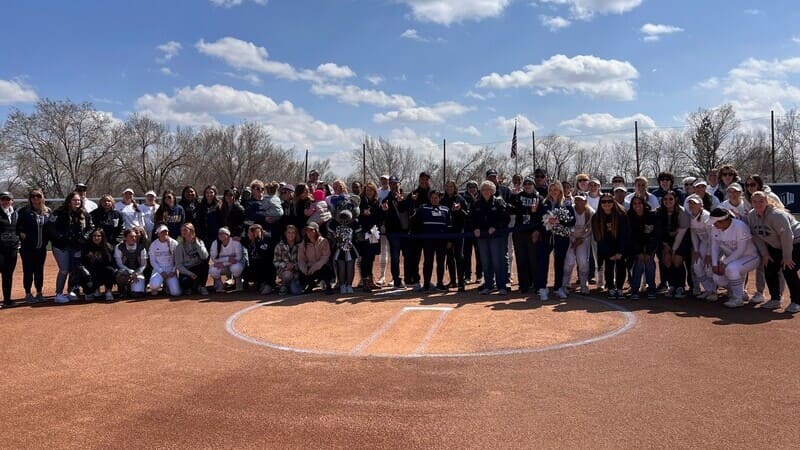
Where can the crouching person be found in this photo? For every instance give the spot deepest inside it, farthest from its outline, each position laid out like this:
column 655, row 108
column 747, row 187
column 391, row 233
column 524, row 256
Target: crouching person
column 131, row 258
column 313, row 260
column 285, row 261
column 162, row 259
column 733, row 254
column 226, row 259
column 98, row 261
column 191, row 260
column 260, row 269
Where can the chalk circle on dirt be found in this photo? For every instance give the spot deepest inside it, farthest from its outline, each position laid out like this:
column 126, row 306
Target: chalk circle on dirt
column 439, row 327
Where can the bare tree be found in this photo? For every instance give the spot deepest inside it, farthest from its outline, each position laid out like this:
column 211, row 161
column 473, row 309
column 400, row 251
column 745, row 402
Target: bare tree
column 787, row 133
column 709, row 131
column 61, row 143
column 385, row 158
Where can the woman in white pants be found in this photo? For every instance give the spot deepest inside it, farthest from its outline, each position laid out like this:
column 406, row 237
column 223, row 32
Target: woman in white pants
column 162, row 259
column 733, row 254
column 700, row 231
column 580, row 242
column 131, row 258
column 226, row 259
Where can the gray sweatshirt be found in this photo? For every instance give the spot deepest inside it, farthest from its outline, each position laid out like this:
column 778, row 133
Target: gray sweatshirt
column 777, row 228
column 190, row 255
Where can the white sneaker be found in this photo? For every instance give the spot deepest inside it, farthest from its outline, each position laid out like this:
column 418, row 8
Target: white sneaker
column 381, row 281
column 543, row 294
column 772, row 304
column 61, row 298
column 792, row 308
column 154, row 292
column 757, row 298
column 72, row 296
column 562, row 293
column 109, row 296
column 734, row 303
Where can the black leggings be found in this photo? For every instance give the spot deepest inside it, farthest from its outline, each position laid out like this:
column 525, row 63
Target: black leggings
column 8, row 262
column 33, row 268
column 790, row 275
column 187, row 283
column 615, row 272
column 433, row 249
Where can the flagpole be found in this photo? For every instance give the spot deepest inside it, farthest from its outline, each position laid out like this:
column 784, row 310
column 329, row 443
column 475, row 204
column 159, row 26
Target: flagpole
column 533, row 142
column 444, row 163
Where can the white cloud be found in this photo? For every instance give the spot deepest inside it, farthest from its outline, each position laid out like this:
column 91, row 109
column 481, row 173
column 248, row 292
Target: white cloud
column 477, row 96
column 167, row 71
column 355, row 95
column 332, row 70
column 606, row 123
column 506, row 125
column 244, row 55
column 653, row 32
column 446, row 12
column 413, row 35
column 16, row 92
column 586, row 9
column 471, row 130
column 554, row 23
column 374, row 79
column 586, row 74
column 232, row 3
column 288, row 125
column 251, row 78
column 168, row 51
column 756, row 86
column 710, row 83
column 406, row 137
column 753, row 12
column 437, row 113
column 796, row 39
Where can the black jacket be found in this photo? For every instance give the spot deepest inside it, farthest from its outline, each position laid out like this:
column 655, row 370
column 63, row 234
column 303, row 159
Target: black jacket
column 111, row 222
column 490, row 214
column 396, row 219
column 8, row 230
column 521, row 207
column 644, row 233
column 69, row 230
column 34, row 226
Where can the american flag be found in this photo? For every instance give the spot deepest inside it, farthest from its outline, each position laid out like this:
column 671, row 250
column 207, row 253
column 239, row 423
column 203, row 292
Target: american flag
column 514, row 142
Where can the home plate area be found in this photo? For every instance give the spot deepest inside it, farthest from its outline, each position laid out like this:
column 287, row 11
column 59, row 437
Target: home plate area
column 404, row 324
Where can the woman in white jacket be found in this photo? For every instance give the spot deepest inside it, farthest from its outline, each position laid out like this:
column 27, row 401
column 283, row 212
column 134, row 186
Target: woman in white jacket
column 162, row 259
column 580, row 242
column 226, row 259
column 700, row 231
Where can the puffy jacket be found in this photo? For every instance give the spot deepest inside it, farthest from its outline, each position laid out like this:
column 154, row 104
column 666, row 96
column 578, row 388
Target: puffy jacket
column 69, row 230
column 492, row 213
column 311, row 256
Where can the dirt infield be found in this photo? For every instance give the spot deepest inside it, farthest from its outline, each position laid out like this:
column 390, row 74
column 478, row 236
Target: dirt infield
column 165, row 373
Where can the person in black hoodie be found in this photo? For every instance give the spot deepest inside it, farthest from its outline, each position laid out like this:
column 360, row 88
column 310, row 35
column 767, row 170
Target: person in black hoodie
column 109, row 219
column 414, row 200
column 455, row 246
column 9, row 243
column 490, row 219
column 371, row 220
column 471, row 195
column 69, row 227
column 524, row 206
column 433, row 219
column 612, row 233
column 260, row 269
column 32, row 231
column 97, row 260
column 396, row 223
column 208, row 217
column 231, row 214
column 643, row 247
column 189, row 204
column 169, row 214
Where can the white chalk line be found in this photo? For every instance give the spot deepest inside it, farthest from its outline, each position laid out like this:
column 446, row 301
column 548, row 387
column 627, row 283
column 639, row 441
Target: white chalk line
column 630, row 322
column 432, row 331
column 359, row 349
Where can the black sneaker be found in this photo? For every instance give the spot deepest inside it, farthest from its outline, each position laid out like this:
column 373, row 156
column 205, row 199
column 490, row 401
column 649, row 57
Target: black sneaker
column 9, row 303
column 442, row 287
column 462, row 288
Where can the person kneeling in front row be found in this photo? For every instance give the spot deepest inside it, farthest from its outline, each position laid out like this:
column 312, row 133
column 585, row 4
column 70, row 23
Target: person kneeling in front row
column 131, row 258
column 733, row 254
column 226, row 259
column 162, row 259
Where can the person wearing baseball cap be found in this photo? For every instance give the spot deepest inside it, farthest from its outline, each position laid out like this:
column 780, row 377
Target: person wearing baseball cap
column 132, row 215
column 88, row 205
column 501, row 191
column 737, row 205
column 701, row 190
column 700, row 232
column 540, row 181
column 9, row 243
column 417, row 198
column 524, row 206
column 148, row 210
column 226, row 260
column 733, row 254
column 162, row 259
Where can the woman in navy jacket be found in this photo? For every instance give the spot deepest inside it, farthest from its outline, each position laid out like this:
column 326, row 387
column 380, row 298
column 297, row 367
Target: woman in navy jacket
column 33, row 219
column 69, row 228
column 170, row 214
column 612, row 233
column 553, row 223
column 490, row 218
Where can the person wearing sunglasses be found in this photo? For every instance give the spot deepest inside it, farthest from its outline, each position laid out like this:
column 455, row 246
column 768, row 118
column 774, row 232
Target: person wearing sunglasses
column 32, row 230
column 714, row 187
column 540, row 180
column 727, row 176
column 755, row 183
column 612, row 232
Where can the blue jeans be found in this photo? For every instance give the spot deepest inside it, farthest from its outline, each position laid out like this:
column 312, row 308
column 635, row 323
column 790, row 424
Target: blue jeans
column 648, row 269
column 67, row 261
column 493, row 256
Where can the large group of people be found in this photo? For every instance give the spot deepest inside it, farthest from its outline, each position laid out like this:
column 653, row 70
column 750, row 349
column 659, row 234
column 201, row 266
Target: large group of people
column 703, row 239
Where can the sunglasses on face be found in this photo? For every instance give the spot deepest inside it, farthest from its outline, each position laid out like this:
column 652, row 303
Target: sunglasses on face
column 36, row 196
column 538, row 176
column 605, row 202
column 726, row 174
column 669, row 199
column 527, row 184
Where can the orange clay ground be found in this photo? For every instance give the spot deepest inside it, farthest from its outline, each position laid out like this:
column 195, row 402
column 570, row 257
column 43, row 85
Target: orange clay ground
column 396, row 370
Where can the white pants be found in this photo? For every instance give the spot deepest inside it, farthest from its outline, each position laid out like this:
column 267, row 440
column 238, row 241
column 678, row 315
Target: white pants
column 580, row 256
column 173, row 286
column 232, row 271
column 735, row 272
column 138, row 285
column 703, row 275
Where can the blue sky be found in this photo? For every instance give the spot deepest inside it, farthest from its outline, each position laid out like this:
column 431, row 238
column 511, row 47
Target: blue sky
column 321, row 74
